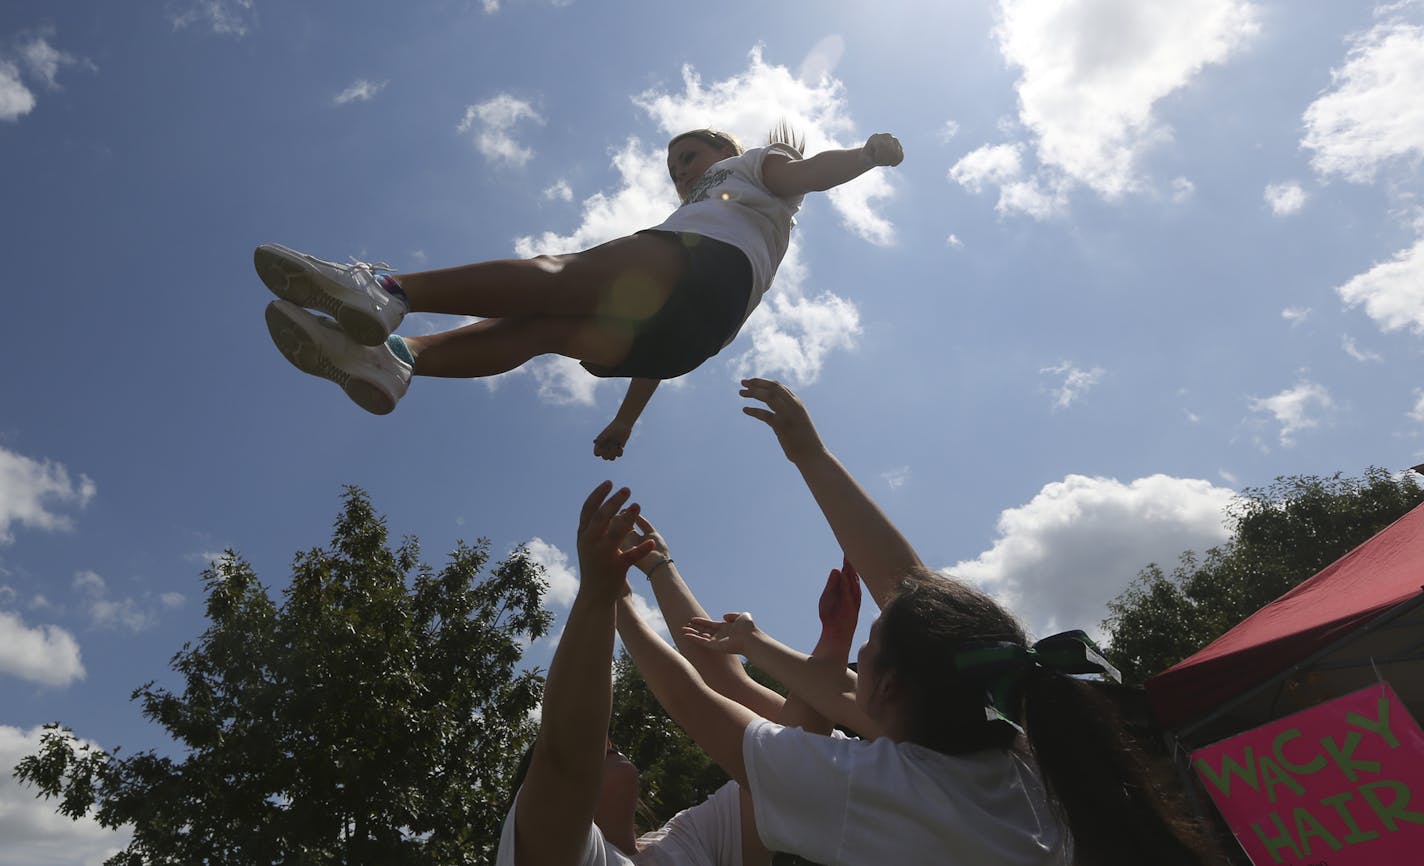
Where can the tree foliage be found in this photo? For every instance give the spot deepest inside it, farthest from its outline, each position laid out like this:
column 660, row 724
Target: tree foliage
column 374, row 715
column 1280, row 535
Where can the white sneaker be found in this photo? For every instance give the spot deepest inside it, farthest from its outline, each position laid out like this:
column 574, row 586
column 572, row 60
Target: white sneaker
column 350, row 294
column 372, row 376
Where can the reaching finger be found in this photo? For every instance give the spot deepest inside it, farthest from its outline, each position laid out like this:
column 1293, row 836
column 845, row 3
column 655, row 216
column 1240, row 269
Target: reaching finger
column 763, row 415
column 645, row 525
column 622, row 522
column 590, row 505
column 633, row 554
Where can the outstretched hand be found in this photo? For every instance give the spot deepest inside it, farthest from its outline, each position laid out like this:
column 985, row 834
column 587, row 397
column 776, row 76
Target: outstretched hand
column 644, row 531
column 728, row 636
column 840, row 605
column 882, row 148
column 785, row 415
column 603, row 561
column 610, row 443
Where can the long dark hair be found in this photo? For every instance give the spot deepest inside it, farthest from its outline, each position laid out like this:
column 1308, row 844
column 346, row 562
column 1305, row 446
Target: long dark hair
column 1096, row 778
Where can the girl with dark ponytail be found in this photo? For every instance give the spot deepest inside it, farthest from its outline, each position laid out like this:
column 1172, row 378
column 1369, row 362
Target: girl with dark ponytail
column 983, row 749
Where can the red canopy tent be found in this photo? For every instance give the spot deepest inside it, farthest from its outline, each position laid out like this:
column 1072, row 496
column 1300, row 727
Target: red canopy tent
column 1358, row 620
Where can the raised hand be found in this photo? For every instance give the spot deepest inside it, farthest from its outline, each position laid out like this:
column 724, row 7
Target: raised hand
column 610, row 443
column 882, row 148
column 785, row 415
column 728, row 636
column 603, row 561
column 641, row 532
column 840, row 605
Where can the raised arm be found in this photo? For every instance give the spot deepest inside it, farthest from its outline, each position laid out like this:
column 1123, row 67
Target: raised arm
column 610, row 443
column 827, row 685
column 557, row 801
column 867, row 536
column 724, row 673
column 787, row 177
column 839, row 609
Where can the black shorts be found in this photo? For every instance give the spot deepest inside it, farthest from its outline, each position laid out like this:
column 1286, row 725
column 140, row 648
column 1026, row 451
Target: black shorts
column 701, row 315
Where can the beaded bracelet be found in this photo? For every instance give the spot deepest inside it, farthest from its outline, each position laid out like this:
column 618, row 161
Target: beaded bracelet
column 667, row 561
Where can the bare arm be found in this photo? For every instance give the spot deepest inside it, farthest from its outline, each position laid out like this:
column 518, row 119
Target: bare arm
column 839, row 609
column 724, row 673
column 610, row 443
column 716, row 724
column 867, row 536
column 557, row 802
column 787, row 177
column 828, row 686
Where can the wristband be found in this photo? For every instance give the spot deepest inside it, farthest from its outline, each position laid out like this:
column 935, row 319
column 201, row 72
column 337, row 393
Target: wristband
column 649, row 575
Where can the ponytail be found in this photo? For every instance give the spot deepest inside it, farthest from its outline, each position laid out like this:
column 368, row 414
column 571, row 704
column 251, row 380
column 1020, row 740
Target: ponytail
column 1101, row 782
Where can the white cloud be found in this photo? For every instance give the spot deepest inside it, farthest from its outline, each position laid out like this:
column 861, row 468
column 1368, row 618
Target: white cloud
column 562, row 382
column 896, row 478
column 1294, row 408
column 16, row 100
column 43, row 61
column 1391, row 292
column 45, row 654
column 559, row 191
column 954, row 241
column 791, row 333
column 751, row 102
column 361, row 90
column 1285, row 198
column 1182, row 190
column 563, row 582
column 821, row 61
column 224, row 17
column 1417, row 413
column 172, row 600
column 35, row 833
column 1091, row 74
column 492, row 121
column 1076, row 382
column 1348, row 344
column 1079, row 542
column 129, row 614
column 948, row 131
column 1373, row 116
column 650, row 613
column 996, row 164
column 30, row 490
column 1295, row 315
column 490, row 6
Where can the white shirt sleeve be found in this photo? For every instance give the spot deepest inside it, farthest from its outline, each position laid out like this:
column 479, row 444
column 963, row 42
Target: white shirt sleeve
column 709, row 833
column 800, row 786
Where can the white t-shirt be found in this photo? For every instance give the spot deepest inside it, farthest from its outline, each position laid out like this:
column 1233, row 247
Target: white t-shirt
column 845, row 802
column 732, row 205
column 708, row 834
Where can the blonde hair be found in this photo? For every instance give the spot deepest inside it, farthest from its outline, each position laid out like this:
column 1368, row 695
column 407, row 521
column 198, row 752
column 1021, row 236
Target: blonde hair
column 716, row 138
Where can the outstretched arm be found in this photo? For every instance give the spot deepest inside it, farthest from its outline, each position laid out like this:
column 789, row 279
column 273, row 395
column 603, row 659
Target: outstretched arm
column 867, row 536
column 557, row 802
column 827, row 685
column 839, row 609
column 610, row 443
column 724, row 673
column 787, row 177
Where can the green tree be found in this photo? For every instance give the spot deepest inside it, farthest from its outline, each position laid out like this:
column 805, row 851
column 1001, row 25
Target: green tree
column 374, row 715
column 1280, row 535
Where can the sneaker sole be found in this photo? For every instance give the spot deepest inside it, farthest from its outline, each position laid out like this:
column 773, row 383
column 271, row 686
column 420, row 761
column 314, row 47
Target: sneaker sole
column 301, row 349
column 290, row 278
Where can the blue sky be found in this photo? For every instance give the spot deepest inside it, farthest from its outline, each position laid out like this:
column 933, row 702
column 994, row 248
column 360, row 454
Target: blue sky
column 1138, row 257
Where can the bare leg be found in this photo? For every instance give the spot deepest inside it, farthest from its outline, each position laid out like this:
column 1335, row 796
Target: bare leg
column 628, row 278
column 495, row 346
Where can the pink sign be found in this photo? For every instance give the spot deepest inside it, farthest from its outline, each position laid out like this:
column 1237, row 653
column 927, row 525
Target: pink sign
column 1340, row 784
